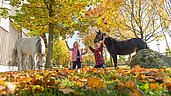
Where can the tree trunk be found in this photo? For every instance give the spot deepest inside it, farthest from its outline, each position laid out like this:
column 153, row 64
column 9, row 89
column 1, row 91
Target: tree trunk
column 50, row 46
column 50, row 39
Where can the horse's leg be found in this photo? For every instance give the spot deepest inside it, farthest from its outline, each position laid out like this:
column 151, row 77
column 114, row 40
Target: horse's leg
column 19, row 60
column 34, row 61
column 30, row 63
column 129, row 60
column 24, row 65
column 114, row 56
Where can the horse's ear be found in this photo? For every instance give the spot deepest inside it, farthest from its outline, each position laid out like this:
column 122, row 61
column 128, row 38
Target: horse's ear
column 104, row 34
column 99, row 31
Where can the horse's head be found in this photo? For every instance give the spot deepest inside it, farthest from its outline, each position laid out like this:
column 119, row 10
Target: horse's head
column 42, row 60
column 99, row 36
column 41, row 52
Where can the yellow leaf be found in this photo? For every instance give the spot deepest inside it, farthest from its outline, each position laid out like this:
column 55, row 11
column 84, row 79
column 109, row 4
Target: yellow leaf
column 167, row 79
column 2, row 82
column 79, row 83
column 143, row 76
column 25, row 80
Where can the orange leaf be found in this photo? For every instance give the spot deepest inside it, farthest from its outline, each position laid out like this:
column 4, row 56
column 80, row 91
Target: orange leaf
column 130, row 84
column 168, row 85
column 94, row 70
column 95, row 83
column 153, row 86
column 135, row 94
column 85, row 68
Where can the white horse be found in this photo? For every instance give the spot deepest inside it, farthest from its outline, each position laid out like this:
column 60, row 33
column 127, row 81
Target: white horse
column 33, row 47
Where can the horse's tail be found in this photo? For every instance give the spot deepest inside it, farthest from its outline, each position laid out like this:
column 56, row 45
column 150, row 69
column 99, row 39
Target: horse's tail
column 14, row 57
column 146, row 46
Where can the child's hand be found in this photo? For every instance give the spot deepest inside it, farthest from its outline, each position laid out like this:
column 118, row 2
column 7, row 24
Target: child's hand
column 89, row 43
column 86, row 49
column 68, row 36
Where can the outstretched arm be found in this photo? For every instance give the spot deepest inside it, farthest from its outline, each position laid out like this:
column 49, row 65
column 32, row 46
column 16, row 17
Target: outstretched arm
column 91, row 48
column 84, row 52
column 70, row 49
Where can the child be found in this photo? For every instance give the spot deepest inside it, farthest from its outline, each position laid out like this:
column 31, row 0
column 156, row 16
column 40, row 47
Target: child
column 98, row 55
column 76, row 54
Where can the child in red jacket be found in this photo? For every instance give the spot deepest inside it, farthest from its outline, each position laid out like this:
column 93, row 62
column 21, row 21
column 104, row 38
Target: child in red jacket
column 98, row 55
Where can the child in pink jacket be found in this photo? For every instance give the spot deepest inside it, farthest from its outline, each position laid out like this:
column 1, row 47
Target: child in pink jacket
column 76, row 54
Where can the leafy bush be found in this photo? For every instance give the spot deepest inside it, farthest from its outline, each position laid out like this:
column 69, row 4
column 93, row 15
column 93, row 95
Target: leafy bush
column 61, row 55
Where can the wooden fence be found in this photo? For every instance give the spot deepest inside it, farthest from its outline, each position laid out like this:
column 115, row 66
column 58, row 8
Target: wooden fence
column 7, row 43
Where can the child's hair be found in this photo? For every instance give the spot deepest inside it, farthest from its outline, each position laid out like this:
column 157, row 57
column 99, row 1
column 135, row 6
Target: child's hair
column 75, row 43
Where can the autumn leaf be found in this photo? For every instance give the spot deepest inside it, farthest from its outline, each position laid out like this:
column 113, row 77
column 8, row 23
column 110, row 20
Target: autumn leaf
column 37, row 88
column 95, row 83
column 130, row 84
column 159, row 79
column 2, row 82
column 93, row 70
column 120, row 84
column 79, row 83
column 143, row 76
column 3, row 78
column 153, row 86
column 86, row 68
column 134, row 94
column 66, row 90
column 25, row 80
column 138, row 69
column 167, row 79
column 11, row 86
column 137, row 92
column 49, row 81
column 168, row 85
column 36, row 81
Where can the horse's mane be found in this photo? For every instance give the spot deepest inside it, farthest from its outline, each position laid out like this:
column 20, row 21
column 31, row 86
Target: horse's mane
column 39, row 44
column 111, row 41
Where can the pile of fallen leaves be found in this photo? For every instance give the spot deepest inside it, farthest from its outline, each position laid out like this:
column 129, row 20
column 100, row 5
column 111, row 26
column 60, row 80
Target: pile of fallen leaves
column 87, row 81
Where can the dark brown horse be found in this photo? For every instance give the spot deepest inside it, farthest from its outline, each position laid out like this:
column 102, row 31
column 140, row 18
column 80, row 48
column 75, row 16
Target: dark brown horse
column 116, row 47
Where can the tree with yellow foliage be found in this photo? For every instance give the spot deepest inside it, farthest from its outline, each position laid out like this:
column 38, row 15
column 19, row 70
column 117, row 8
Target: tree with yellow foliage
column 56, row 17
column 130, row 18
column 60, row 56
